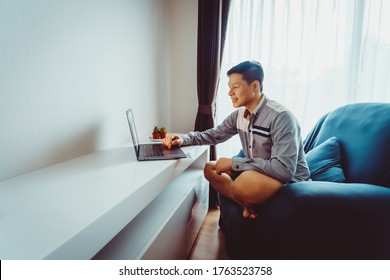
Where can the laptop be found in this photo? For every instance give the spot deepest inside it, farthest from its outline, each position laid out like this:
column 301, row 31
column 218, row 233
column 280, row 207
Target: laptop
column 151, row 151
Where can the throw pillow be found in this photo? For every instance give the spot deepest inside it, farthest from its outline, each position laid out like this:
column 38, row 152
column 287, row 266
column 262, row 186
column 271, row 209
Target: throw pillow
column 324, row 162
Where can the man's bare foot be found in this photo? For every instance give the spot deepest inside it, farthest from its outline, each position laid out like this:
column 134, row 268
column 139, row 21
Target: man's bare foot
column 249, row 213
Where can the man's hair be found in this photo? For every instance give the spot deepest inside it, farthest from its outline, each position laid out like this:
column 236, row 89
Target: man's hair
column 250, row 70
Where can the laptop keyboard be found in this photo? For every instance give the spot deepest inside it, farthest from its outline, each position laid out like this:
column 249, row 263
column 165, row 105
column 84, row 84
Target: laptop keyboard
column 153, row 150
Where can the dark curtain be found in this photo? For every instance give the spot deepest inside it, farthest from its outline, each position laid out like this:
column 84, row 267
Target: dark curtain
column 212, row 23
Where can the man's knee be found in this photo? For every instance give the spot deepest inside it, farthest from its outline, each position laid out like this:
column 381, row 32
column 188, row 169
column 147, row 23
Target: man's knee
column 209, row 170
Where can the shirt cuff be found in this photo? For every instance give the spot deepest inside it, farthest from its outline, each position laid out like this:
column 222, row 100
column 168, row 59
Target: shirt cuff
column 238, row 164
column 186, row 140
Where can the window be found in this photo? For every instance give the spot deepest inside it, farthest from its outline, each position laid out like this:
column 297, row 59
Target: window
column 317, row 55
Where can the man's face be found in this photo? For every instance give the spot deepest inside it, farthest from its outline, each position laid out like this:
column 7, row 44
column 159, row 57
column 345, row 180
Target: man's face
column 240, row 92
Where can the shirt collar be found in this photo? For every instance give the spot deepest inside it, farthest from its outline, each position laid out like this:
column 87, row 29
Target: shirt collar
column 257, row 109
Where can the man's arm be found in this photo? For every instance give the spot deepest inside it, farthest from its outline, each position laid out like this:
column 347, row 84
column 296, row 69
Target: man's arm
column 212, row 136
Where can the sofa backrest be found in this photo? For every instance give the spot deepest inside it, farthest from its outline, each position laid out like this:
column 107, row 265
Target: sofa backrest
column 363, row 130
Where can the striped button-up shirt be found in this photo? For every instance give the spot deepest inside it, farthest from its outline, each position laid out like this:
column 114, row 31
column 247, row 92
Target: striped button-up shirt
column 270, row 139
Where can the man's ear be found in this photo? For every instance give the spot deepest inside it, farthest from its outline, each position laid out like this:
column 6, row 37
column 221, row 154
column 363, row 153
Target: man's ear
column 256, row 85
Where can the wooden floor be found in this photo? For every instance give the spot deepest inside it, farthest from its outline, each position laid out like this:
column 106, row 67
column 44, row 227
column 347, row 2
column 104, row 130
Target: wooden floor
column 210, row 243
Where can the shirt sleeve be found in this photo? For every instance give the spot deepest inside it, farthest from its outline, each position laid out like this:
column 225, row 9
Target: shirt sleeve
column 285, row 135
column 213, row 136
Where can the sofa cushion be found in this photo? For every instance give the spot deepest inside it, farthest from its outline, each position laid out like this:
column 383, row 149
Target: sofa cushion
column 324, row 162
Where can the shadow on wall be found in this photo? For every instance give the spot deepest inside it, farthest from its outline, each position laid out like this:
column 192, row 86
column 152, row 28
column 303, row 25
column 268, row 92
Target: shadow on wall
column 79, row 144
column 73, row 146
column 80, row 156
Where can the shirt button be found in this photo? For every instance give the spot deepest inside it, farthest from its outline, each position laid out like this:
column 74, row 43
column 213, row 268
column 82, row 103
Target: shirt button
column 250, row 146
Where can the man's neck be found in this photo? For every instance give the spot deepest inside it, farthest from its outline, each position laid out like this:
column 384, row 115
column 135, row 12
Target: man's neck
column 252, row 106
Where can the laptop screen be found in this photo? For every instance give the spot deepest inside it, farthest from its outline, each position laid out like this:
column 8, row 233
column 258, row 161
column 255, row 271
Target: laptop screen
column 133, row 131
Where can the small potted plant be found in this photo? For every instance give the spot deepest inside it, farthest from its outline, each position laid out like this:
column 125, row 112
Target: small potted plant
column 163, row 132
column 156, row 132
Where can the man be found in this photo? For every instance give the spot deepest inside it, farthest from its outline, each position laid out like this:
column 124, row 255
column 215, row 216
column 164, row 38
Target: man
column 270, row 138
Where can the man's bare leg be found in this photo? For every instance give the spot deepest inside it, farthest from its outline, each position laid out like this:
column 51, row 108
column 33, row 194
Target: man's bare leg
column 252, row 188
column 248, row 189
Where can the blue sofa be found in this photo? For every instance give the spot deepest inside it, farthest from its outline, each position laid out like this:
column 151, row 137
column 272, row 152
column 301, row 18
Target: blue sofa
column 343, row 213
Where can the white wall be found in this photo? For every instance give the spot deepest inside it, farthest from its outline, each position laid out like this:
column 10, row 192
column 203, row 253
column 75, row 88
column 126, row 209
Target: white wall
column 69, row 69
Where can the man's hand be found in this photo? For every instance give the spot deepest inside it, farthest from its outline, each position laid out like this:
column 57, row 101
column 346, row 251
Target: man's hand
column 223, row 165
column 172, row 140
